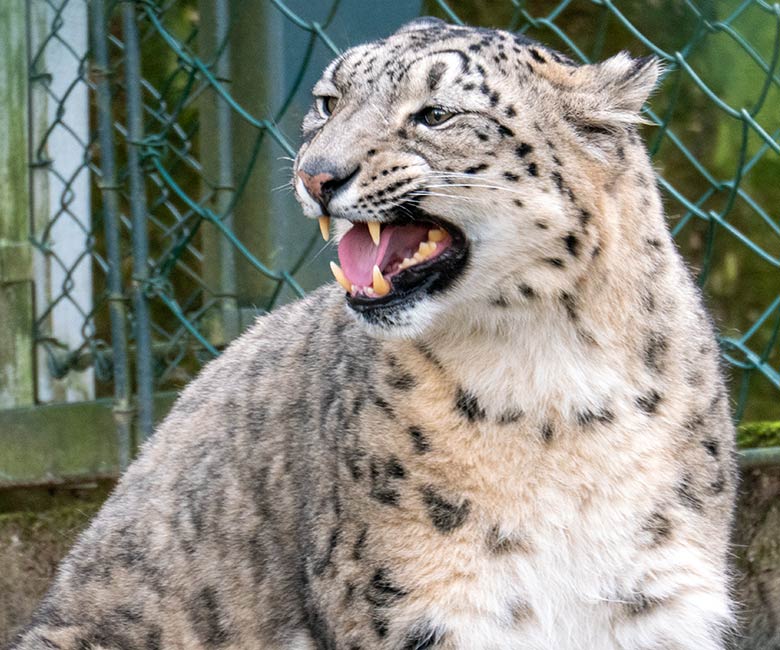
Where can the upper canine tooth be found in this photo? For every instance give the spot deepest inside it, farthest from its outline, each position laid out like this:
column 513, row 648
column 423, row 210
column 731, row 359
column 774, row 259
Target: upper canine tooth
column 340, row 277
column 380, row 285
column 436, row 235
column 375, row 228
column 325, row 227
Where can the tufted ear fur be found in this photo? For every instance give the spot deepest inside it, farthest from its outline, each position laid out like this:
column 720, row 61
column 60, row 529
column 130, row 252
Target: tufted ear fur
column 611, row 93
column 424, row 22
column 603, row 99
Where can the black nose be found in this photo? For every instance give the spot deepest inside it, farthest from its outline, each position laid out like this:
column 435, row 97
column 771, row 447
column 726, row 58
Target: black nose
column 322, row 185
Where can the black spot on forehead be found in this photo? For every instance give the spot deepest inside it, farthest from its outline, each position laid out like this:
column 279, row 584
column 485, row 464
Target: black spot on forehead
column 435, row 73
column 521, row 39
column 464, row 59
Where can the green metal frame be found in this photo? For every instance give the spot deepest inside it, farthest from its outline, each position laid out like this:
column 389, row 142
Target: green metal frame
column 63, row 443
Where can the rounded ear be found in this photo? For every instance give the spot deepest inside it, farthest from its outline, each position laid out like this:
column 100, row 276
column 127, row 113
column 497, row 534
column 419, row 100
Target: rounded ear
column 618, row 87
column 626, row 83
column 424, row 22
column 605, row 98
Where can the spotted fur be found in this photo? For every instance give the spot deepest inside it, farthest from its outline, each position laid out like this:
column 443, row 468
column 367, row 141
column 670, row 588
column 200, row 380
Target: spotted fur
column 518, row 461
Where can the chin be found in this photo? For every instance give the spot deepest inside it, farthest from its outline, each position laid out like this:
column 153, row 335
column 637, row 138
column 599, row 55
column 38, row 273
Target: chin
column 406, row 322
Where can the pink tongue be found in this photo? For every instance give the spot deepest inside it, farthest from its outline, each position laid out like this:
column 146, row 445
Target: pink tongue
column 358, row 255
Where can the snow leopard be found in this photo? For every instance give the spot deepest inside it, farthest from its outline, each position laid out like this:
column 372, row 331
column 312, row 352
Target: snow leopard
column 504, row 426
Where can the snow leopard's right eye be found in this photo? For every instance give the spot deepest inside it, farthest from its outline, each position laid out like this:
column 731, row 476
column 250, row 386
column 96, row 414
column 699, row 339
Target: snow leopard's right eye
column 434, row 115
column 327, row 104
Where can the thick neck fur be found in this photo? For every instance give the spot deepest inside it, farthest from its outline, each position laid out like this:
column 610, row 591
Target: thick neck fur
column 600, row 344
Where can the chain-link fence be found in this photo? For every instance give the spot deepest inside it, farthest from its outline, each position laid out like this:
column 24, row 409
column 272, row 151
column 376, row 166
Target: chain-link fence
column 162, row 135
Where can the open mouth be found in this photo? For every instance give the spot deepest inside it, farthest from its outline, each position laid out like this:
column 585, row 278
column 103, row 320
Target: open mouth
column 390, row 263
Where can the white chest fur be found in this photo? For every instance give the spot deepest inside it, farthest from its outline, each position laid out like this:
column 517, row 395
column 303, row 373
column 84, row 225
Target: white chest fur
column 567, row 559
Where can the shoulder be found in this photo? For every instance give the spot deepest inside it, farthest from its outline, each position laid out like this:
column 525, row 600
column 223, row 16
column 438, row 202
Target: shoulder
column 276, row 341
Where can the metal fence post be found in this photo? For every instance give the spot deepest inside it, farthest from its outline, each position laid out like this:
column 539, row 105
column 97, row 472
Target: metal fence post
column 260, row 219
column 140, row 240
column 123, row 411
column 61, row 199
column 217, row 156
column 16, row 306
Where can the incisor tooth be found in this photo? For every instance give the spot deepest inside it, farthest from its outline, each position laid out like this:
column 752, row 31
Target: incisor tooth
column 436, row 235
column 340, row 277
column 375, row 229
column 380, row 285
column 325, row 227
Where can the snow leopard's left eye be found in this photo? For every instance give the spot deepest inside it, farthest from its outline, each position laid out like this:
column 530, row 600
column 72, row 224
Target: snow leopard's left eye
column 434, row 115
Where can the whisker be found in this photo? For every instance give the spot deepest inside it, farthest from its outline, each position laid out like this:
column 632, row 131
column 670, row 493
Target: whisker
column 325, row 245
column 494, row 187
column 448, row 196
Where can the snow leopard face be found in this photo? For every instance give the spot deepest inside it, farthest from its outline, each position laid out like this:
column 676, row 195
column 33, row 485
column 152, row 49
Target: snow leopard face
column 463, row 167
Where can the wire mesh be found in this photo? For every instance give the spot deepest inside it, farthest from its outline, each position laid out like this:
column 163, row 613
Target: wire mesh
column 206, row 149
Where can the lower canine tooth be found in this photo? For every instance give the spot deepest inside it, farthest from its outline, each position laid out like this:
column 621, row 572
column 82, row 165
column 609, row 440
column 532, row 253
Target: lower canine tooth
column 381, row 286
column 436, row 235
column 325, row 227
column 340, row 277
